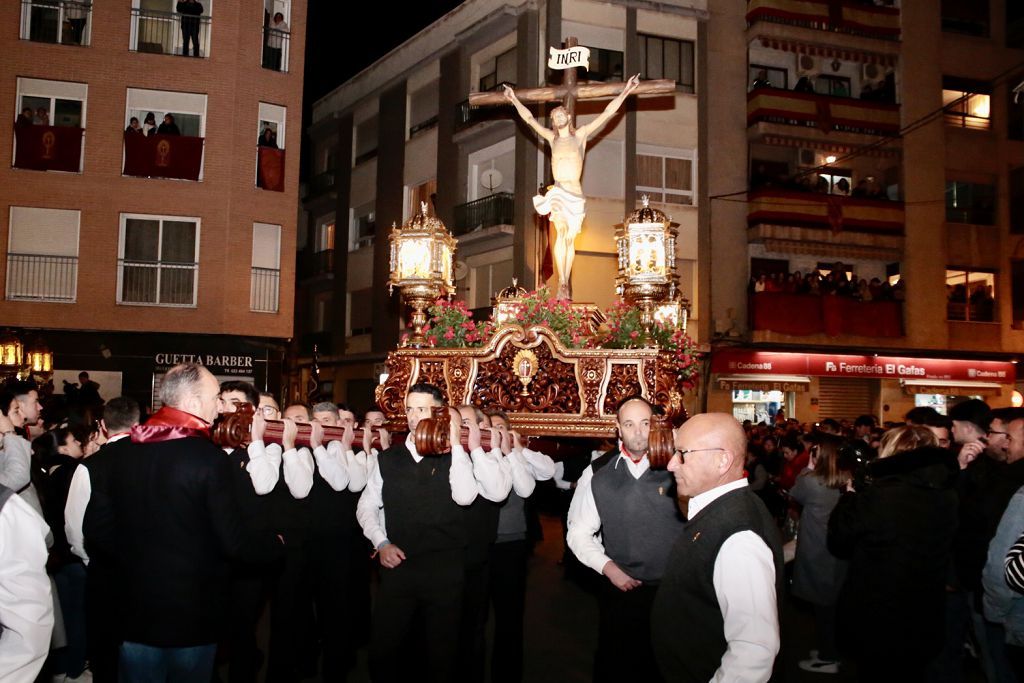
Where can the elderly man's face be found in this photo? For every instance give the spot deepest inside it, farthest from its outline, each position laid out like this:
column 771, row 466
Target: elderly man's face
column 701, row 458
column 634, row 423
column 207, row 398
column 328, row 418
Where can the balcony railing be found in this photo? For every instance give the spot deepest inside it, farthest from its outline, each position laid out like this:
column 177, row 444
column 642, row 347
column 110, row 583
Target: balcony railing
column 39, row 277
column 466, row 116
column 264, row 292
column 322, row 182
column 844, row 16
column 831, row 212
column 275, row 49
column 270, row 169
column 497, row 209
column 318, row 263
column 423, row 125
column 48, row 148
column 157, row 283
column 773, row 105
column 828, row 314
column 170, row 33
column 163, row 156
column 64, row 22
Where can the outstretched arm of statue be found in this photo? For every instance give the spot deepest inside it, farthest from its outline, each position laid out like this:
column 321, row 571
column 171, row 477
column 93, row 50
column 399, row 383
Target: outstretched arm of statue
column 610, row 110
column 526, row 116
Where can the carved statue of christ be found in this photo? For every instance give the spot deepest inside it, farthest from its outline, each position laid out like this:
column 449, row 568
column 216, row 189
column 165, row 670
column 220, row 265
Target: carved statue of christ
column 564, row 201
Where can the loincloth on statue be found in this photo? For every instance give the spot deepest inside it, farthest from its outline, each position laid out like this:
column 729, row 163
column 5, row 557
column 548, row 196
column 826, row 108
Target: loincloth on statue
column 563, row 206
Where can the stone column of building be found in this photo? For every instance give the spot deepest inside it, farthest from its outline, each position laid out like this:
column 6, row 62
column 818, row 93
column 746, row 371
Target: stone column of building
column 342, row 225
column 450, row 91
column 632, row 66
column 389, row 206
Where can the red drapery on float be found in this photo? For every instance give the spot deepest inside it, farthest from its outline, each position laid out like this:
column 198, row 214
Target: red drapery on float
column 48, row 148
column 163, row 156
column 270, row 169
column 805, row 314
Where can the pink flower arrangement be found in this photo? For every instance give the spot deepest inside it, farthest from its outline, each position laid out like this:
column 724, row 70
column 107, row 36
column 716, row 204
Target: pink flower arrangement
column 451, row 325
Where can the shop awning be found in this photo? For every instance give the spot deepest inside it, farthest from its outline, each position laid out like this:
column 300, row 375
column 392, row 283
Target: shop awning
column 950, row 387
column 763, row 382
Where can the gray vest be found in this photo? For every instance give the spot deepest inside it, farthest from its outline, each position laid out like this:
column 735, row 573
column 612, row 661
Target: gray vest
column 640, row 518
column 512, row 520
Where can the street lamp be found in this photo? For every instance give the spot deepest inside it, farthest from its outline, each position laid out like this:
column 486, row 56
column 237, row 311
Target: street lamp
column 422, row 253
column 646, row 244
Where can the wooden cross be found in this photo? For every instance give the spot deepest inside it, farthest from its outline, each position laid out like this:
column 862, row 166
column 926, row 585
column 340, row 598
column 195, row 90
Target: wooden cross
column 571, row 90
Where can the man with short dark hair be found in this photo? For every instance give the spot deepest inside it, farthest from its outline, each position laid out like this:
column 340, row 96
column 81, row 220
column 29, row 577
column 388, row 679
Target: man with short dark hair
column 234, row 392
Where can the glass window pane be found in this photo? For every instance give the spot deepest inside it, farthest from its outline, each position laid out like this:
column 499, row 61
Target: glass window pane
column 35, row 104
column 672, row 60
column 686, row 66
column 505, row 67
column 68, row 113
column 138, row 284
column 179, row 242
column 176, row 284
column 141, row 240
column 648, row 171
column 655, row 67
column 678, row 175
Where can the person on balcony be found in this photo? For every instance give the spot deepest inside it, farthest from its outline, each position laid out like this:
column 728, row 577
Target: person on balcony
column 42, row 117
column 761, row 81
column 77, row 14
column 149, row 124
column 268, row 138
column 275, row 42
column 168, row 127
column 190, row 10
column 25, row 118
column 133, row 126
column 804, row 85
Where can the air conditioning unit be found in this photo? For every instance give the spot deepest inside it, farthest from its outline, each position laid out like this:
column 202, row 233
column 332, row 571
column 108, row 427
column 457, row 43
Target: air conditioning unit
column 807, row 157
column 871, row 73
column 806, row 65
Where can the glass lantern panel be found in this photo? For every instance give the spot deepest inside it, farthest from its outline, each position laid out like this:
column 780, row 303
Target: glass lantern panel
column 414, row 259
column 646, row 255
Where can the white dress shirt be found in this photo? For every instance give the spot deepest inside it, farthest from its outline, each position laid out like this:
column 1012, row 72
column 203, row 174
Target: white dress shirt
column 584, row 521
column 493, row 480
column 298, row 471
column 744, row 580
column 264, row 466
column 370, row 509
column 541, row 466
column 26, row 600
column 79, row 495
column 517, row 470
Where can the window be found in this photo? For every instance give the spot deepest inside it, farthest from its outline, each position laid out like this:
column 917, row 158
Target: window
column 833, row 86
column 270, row 143
column 605, row 65
column 1015, row 25
column 188, row 109
column 1017, row 200
column 423, row 108
column 667, row 58
column 276, row 34
column 324, row 234
column 264, row 291
column 56, row 21
column 360, row 318
column 1017, row 289
column 667, row 177
column 972, row 203
column 173, row 124
column 967, row 103
column 320, row 312
column 501, row 69
column 158, row 260
column 424, row 192
column 836, row 181
column 42, row 255
column 49, row 130
column 759, row 75
column 157, row 27
column 364, row 225
column 366, row 140
column 966, row 16
column 970, row 295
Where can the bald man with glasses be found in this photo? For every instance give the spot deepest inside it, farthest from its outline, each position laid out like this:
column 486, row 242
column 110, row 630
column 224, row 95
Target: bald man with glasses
column 715, row 615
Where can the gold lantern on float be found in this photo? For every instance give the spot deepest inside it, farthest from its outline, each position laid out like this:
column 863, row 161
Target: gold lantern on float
column 506, row 303
column 39, row 359
column 646, row 244
column 11, row 353
column 422, row 254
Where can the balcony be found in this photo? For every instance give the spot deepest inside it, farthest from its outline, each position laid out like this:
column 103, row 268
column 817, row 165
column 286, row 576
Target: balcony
column 826, row 113
column 467, row 116
column 165, row 33
column 178, row 157
column 317, row 263
column 39, row 277
column 63, row 22
column 156, row 283
column 264, row 291
column 496, row 209
column 275, row 49
column 48, row 148
column 270, row 169
column 827, row 314
column 842, row 16
column 321, row 183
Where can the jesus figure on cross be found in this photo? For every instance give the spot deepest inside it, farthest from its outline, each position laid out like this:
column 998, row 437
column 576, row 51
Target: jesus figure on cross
column 564, row 201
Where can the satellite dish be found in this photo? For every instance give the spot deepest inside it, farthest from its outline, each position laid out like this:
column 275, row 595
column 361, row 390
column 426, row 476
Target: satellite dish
column 461, row 270
column 490, row 179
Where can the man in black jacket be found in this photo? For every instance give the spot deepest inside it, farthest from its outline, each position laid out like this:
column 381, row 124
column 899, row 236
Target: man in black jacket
column 190, row 10
column 174, row 529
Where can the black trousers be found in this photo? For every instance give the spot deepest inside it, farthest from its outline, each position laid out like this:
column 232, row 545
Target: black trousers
column 421, row 598
column 190, row 32
column 249, row 592
column 102, row 640
column 507, row 589
column 291, row 614
column 473, row 624
column 331, row 578
column 624, row 635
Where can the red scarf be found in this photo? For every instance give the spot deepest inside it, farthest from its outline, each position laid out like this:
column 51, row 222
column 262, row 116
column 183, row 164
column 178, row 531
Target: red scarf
column 635, row 458
column 168, row 424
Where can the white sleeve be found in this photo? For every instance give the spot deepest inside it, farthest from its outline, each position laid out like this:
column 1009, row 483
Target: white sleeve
column 744, row 580
column 26, row 603
column 330, row 464
column 461, row 477
column 264, row 466
column 298, row 472
column 493, row 481
column 74, row 511
column 358, row 469
column 370, row 509
column 523, row 482
column 15, row 462
column 584, row 526
column 541, row 466
column 559, row 475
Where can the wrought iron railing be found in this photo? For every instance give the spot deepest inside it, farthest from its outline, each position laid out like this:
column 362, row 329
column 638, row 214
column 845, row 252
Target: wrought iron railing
column 496, row 209
column 318, row 263
column 466, row 115
column 170, row 33
column 275, row 49
column 158, row 283
column 264, row 293
column 40, row 277
column 322, row 182
column 65, row 22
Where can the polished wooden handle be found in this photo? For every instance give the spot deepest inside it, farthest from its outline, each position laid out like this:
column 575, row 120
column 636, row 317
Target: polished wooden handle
column 234, row 430
column 660, row 443
column 433, row 434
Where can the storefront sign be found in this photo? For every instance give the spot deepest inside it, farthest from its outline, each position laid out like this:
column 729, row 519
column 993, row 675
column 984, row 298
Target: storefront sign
column 734, row 384
column 739, row 361
column 218, row 364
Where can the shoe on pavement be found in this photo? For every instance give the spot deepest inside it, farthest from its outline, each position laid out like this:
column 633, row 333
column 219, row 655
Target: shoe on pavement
column 820, row 666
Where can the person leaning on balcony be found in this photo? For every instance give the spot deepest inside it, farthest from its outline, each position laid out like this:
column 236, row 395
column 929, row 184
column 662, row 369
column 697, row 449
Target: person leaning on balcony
column 190, row 10
column 133, row 126
column 24, row 118
column 168, row 127
column 77, row 13
column 275, row 41
column 268, row 138
column 149, row 124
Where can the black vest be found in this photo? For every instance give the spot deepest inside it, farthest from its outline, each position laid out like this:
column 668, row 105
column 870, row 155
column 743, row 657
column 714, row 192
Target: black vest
column 640, row 518
column 481, row 519
column 332, row 511
column 687, row 629
column 420, row 514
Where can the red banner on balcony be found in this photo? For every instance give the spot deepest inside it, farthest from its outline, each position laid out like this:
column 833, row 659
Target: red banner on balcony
column 805, row 314
column 163, row 156
column 48, row 148
column 829, row 211
column 270, row 169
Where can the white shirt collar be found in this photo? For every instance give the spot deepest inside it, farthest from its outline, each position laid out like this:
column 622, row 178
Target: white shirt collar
column 702, row 500
column 118, row 437
column 410, row 443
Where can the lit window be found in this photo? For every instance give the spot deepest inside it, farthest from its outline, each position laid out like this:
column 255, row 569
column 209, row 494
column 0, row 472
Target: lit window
column 970, row 295
column 966, row 104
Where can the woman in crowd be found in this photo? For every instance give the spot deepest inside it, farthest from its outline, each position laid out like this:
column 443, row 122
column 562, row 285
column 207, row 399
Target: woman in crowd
column 896, row 532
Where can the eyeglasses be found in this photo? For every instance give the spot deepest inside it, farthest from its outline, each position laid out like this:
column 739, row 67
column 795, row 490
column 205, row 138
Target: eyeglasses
column 682, row 454
column 267, row 410
column 1006, row 434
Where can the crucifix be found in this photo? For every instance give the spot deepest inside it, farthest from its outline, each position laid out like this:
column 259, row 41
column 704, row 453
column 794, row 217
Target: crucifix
column 564, row 201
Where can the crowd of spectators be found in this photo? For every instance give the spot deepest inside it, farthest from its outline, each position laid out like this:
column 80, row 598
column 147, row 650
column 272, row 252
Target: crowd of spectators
column 979, row 305
column 764, row 177
column 838, row 281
